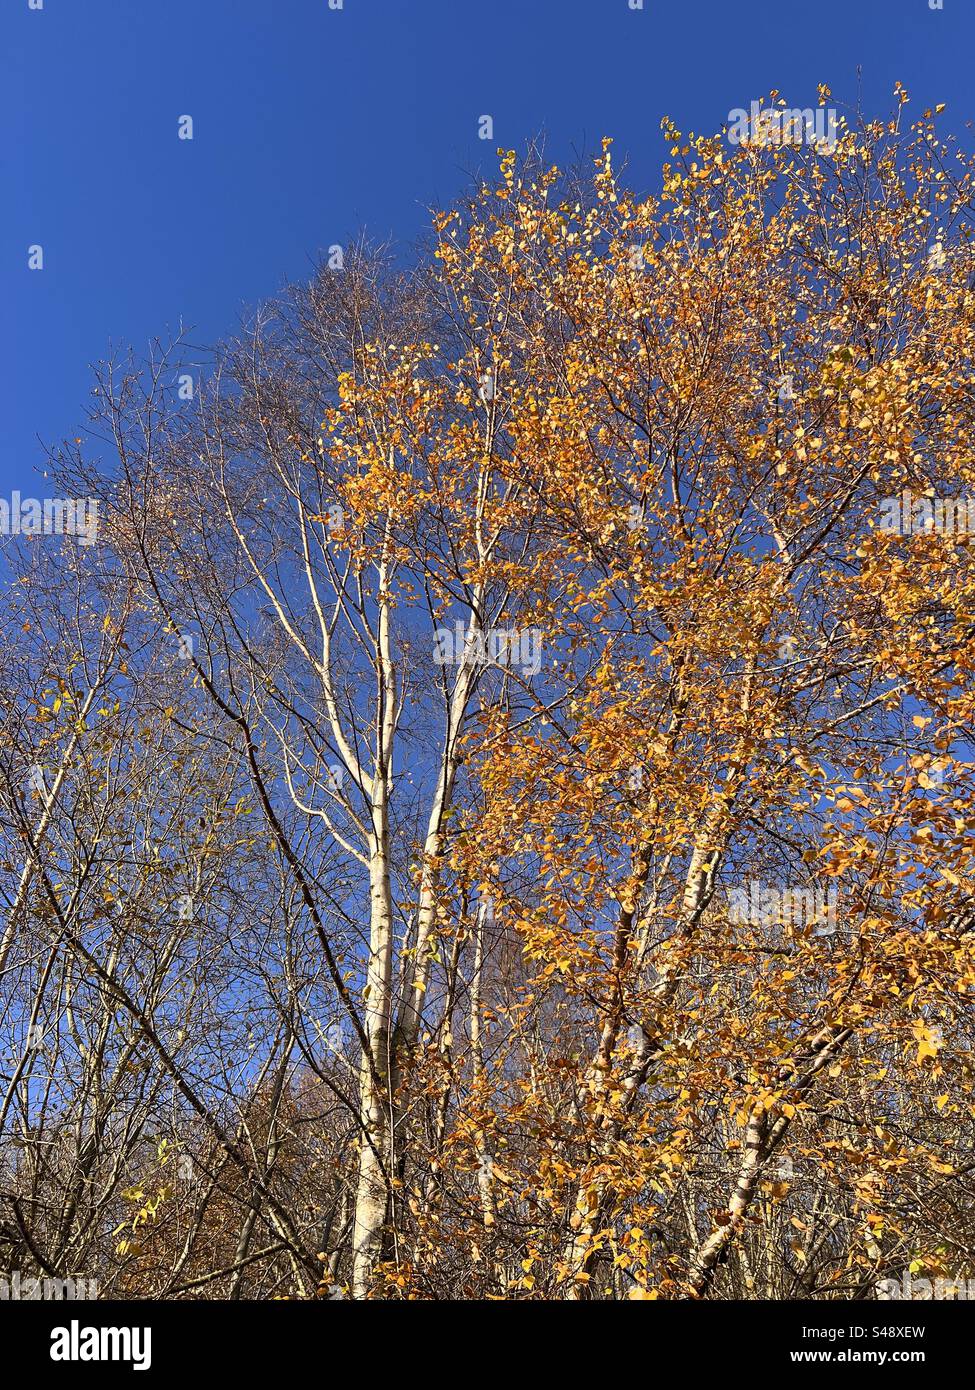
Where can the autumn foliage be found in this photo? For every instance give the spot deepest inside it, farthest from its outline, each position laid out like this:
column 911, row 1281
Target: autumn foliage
column 642, row 970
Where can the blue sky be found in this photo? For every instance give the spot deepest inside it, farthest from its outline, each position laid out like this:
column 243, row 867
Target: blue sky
column 312, row 123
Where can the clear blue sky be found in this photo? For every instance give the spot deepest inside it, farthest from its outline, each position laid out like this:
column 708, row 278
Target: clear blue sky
column 310, row 124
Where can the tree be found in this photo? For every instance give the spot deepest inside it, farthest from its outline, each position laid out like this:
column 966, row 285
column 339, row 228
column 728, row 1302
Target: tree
column 604, row 744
